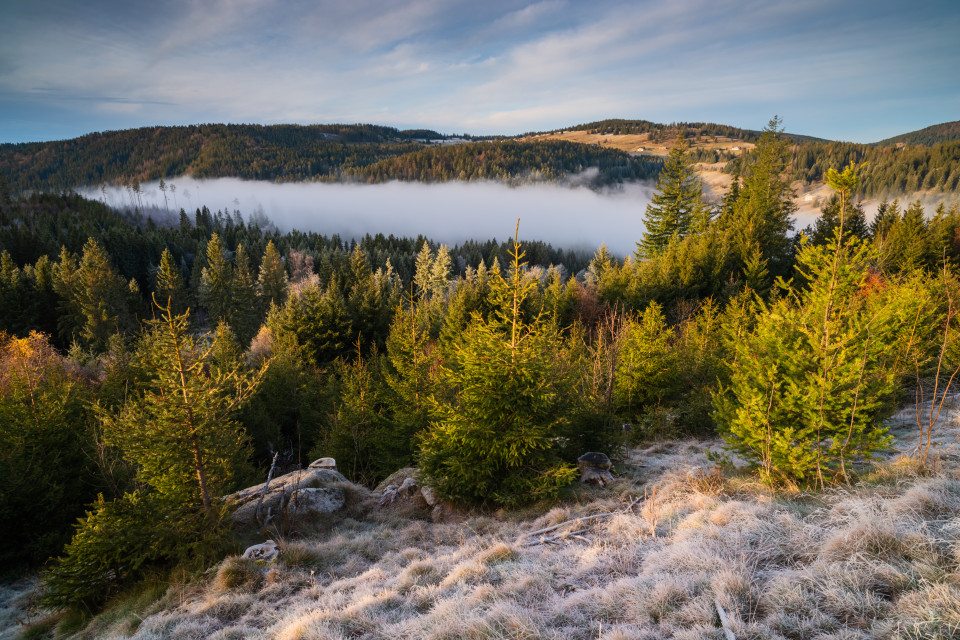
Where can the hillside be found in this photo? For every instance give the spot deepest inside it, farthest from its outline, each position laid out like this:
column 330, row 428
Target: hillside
column 946, row 132
column 688, row 551
column 296, row 153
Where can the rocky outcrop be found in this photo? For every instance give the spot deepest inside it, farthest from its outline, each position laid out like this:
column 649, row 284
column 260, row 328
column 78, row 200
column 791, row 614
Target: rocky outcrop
column 301, row 492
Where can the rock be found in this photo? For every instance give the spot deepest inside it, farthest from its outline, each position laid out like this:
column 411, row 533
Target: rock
column 317, row 500
column 324, row 463
column 389, row 495
column 266, row 552
column 443, row 512
column 429, row 495
column 278, row 494
column 595, row 468
column 408, row 488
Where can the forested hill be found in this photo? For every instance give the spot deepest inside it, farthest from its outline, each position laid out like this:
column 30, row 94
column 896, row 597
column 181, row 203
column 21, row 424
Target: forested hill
column 295, row 153
column 279, row 152
column 512, row 160
column 661, row 132
column 946, row 132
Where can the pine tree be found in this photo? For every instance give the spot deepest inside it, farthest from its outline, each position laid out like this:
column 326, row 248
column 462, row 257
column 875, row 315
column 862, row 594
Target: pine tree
column 677, row 207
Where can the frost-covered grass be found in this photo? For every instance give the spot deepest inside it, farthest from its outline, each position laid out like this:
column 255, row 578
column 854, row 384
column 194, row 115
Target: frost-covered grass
column 876, row 559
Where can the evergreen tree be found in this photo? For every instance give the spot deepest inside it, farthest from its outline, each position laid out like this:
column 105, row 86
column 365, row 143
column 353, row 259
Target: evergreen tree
column 217, row 282
column 179, row 431
column 764, row 206
column 169, row 283
column 677, row 207
column 95, row 297
column 814, row 376
column 495, row 442
column 272, row 280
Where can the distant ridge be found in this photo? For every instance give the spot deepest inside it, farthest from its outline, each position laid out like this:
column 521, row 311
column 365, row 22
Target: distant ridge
column 945, row 132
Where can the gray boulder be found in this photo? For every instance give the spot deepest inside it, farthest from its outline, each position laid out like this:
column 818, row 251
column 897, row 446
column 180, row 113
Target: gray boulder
column 316, row 500
column 324, row 463
column 266, row 552
column 595, row 468
column 280, row 492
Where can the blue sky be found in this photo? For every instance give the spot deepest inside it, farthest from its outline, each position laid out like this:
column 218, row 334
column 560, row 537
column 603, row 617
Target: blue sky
column 850, row 70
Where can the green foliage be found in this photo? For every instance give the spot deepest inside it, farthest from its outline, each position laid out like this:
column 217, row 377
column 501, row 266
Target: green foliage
column 494, row 441
column 96, row 299
column 114, row 546
column 677, row 206
column 817, row 370
column 179, row 430
column 45, row 442
column 272, row 280
column 761, row 216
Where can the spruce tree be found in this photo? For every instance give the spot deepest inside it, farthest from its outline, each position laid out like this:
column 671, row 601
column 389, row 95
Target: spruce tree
column 169, row 282
column 761, row 219
column 677, row 207
column 217, row 282
column 272, row 280
column 814, row 376
column 495, row 442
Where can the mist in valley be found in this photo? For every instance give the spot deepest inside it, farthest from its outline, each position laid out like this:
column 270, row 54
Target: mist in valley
column 567, row 216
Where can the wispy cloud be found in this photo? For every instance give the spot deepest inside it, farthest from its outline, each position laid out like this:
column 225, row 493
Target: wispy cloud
column 506, row 64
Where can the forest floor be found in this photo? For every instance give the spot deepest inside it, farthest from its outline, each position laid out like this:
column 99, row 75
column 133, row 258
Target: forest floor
column 690, row 551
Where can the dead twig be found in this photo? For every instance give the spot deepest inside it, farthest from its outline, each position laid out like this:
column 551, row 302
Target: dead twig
column 626, row 509
column 273, row 465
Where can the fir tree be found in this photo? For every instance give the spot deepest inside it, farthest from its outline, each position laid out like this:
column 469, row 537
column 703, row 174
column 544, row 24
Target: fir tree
column 677, row 207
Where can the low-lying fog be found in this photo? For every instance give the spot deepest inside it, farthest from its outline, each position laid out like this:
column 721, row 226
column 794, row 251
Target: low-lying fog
column 568, row 217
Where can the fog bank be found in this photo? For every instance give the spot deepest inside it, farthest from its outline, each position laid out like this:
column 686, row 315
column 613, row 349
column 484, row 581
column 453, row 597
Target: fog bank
column 568, row 217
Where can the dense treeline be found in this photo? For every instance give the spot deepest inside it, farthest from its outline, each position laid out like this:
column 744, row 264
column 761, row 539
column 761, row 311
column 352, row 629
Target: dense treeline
column 889, row 170
column 512, row 161
column 145, row 400
column 634, row 127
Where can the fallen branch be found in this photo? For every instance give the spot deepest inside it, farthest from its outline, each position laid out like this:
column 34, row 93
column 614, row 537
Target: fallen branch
column 724, row 622
column 579, row 520
column 557, row 538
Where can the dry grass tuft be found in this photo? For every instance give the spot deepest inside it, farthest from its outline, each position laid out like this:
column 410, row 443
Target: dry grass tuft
column 235, row 574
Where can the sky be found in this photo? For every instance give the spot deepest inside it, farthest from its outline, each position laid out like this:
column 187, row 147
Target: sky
column 840, row 69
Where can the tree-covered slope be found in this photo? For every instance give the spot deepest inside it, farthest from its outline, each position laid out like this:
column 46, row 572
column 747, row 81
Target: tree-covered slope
column 511, row 160
column 278, row 152
column 945, row 132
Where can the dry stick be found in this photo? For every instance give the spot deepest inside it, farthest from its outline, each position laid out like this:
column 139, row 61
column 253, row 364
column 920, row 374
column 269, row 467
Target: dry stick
column 579, row 520
column 273, row 465
column 724, row 622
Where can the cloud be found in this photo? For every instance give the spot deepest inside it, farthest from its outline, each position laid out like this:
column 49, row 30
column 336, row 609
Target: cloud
column 500, row 64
